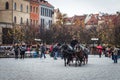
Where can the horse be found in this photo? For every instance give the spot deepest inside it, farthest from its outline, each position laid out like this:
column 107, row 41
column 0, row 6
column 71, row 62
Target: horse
column 80, row 56
column 67, row 53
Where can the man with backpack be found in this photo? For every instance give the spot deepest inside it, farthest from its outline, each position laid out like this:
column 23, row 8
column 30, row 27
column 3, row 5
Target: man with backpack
column 22, row 51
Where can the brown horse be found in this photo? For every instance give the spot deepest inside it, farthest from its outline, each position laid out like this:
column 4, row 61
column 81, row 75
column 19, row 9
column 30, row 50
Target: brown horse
column 80, row 57
column 71, row 56
column 82, row 54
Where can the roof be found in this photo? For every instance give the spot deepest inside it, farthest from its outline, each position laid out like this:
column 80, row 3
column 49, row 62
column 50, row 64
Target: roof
column 46, row 3
column 93, row 20
column 72, row 19
column 43, row 2
column 34, row 2
column 82, row 17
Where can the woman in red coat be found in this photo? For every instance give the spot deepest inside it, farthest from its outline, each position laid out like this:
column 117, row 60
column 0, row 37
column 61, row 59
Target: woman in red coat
column 100, row 52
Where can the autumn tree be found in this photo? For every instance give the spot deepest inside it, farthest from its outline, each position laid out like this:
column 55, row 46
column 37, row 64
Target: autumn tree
column 117, row 30
column 30, row 33
column 61, row 19
column 106, row 32
column 17, row 33
column 23, row 33
column 60, row 30
column 7, row 39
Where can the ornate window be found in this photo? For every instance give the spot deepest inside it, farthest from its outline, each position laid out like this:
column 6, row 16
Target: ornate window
column 21, row 7
column 27, row 22
column 27, row 9
column 30, row 21
column 21, row 20
column 30, row 8
column 15, row 20
column 15, row 6
column 36, row 9
column 6, row 5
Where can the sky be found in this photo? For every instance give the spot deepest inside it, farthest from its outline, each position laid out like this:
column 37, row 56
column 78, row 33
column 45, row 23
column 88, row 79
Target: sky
column 80, row 7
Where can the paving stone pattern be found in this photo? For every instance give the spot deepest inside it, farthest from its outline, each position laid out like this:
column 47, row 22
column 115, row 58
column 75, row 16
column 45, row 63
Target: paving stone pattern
column 50, row 69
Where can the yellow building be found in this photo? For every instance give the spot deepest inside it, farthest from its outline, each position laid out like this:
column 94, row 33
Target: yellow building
column 13, row 12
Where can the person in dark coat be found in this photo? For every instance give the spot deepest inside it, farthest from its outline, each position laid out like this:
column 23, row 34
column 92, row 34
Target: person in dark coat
column 16, row 50
column 43, row 50
column 22, row 51
column 56, row 51
column 74, row 42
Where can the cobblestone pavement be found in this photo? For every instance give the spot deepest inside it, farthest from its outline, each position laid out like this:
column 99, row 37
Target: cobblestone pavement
column 49, row 69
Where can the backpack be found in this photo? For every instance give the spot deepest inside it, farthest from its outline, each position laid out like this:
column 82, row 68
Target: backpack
column 22, row 49
column 85, row 51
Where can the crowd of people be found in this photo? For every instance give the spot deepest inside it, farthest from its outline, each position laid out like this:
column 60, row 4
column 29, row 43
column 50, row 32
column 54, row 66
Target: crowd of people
column 22, row 49
column 109, row 51
column 55, row 50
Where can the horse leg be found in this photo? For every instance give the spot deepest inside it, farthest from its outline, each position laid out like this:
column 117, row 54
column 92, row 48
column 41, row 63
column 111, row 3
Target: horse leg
column 69, row 59
column 83, row 60
column 86, row 60
column 65, row 63
column 76, row 62
column 80, row 61
column 72, row 60
column 68, row 62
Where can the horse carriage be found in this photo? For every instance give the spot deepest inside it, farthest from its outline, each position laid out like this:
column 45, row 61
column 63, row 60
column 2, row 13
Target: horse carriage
column 77, row 55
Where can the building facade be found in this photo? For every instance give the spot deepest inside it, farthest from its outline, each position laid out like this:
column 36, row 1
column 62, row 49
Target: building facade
column 24, row 12
column 46, row 14
column 34, row 12
column 21, row 11
column 13, row 12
